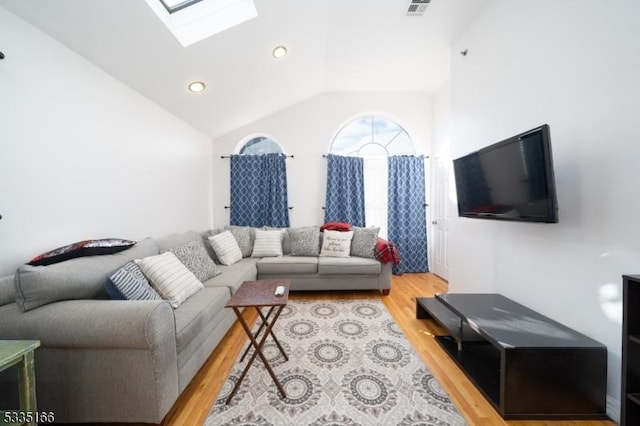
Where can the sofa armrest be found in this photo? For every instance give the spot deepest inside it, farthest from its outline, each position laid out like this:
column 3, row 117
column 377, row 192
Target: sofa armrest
column 92, row 324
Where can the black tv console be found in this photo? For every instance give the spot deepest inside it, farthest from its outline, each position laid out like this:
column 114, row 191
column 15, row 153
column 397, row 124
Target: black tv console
column 526, row 365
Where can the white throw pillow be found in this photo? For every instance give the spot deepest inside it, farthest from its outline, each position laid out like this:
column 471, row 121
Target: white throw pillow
column 268, row 243
column 226, row 248
column 170, row 277
column 336, row 244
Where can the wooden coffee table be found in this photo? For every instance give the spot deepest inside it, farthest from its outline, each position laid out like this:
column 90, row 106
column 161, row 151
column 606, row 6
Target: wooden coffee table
column 260, row 294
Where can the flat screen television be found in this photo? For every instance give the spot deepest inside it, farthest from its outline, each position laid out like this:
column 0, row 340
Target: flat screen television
column 509, row 180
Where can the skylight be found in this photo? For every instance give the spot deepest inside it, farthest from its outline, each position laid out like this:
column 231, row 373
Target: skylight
column 193, row 20
column 176, row 5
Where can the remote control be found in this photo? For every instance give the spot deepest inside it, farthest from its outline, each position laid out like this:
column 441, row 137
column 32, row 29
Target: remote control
column 279, row 290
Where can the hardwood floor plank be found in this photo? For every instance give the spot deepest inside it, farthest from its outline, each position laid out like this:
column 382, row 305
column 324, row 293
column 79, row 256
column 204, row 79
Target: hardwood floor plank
column 193, row 405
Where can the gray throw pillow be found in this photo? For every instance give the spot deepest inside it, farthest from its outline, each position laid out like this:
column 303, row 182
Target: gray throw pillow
column 305, row 241
column 364, row 241
column 195, row 257
column 245, row 237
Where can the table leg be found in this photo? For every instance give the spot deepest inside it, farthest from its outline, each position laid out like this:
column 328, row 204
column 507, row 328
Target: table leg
column 273, row 335
column 257, row 352
column 262, row 324
column 27, row 376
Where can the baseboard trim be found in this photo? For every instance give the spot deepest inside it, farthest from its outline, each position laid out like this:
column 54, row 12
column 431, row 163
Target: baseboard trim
column 613, row 408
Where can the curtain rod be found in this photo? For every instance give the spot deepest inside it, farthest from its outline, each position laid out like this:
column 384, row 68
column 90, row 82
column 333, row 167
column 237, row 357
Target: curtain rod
column 228, row 156
column 425, row 156
column 228, row 207
column 324, row 208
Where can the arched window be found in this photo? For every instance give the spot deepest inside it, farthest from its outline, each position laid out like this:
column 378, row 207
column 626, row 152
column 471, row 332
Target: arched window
column 260, row 145
column 374, row 138
column 371, row 136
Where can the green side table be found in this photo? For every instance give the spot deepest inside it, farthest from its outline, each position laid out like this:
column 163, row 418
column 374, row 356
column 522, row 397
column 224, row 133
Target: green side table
column 20, row 353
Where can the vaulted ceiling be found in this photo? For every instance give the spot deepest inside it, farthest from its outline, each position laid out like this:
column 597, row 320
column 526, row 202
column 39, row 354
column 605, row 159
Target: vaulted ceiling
column 333, row 45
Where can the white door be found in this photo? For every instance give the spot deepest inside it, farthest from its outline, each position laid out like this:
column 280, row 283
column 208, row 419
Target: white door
column 442, row 209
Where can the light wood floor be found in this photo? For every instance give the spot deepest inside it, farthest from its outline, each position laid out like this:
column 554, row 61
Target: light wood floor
column 193, row 405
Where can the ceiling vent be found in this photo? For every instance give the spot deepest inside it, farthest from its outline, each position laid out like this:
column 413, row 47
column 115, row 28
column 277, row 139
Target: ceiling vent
column 417, row 7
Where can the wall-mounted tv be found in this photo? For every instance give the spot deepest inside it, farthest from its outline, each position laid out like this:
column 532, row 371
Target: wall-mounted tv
column 509, row 180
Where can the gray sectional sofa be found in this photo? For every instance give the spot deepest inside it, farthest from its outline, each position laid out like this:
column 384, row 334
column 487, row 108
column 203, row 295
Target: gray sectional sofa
column 105, row 360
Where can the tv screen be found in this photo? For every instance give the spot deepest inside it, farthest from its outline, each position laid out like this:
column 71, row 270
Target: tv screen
column 509, row 180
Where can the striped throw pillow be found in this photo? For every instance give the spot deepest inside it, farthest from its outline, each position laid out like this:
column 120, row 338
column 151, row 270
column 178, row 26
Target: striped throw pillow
column 226, row 248
column 268, row 243
column 170, row 277
column 129, row 283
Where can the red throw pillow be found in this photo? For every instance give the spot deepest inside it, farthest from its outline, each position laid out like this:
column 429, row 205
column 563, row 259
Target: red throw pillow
column 82, row 248
column 336, row 226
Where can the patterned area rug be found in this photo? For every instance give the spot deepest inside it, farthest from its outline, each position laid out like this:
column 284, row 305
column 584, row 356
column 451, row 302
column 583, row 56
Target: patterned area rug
column 349, row 365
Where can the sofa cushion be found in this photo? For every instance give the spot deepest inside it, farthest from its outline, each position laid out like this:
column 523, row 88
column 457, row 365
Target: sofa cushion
column 336, row 243
column 364, row 241
column 245, row 237
column 305, row 241
column 194, row 256
column 286, row 241
column 7, row 290
column 288, row 265
column 197, row 311
column 234, row 275
column 348, row 266
column 129, row 283
column 80, row 278
column 80, row 249
column 226, row 247
column 268, row 243
column 170, row 277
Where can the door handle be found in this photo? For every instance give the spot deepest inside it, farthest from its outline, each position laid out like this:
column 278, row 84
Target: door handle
column 434, row 222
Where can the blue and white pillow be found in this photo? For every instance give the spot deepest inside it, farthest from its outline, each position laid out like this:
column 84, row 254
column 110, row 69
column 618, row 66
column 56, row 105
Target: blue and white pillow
column 129, row 283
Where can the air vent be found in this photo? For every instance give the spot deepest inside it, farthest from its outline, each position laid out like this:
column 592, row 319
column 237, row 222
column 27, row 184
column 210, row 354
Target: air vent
column 417, row 7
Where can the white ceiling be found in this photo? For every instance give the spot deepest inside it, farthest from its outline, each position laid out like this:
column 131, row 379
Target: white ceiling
column 334, row 45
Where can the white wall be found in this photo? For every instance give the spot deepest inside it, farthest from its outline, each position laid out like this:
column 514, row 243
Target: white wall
column 572, row 64
column 306, row 131
column 83, row 156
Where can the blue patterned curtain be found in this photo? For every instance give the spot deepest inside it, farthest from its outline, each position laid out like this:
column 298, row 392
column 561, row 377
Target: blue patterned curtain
column 345, row 190
column 407, row 219
column 259, row 190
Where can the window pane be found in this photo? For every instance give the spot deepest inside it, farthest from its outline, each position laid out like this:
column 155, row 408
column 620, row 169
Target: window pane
column 176, row 5
column 352, row 137
column 385, row 130
column 260, row 145
column 401, row 145
column 372, row 150
column 360, row 136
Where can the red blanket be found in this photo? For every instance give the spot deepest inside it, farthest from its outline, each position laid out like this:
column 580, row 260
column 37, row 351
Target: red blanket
column 386, row 252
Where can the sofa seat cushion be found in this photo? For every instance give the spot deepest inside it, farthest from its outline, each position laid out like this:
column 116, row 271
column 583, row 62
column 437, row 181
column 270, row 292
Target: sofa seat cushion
column 234, row 275
column 288, row 265
column 348, row 266
column 197, row 311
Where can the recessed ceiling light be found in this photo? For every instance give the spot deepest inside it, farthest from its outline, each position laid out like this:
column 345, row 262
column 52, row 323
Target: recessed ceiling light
column 279, row 52
column 197, row 87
